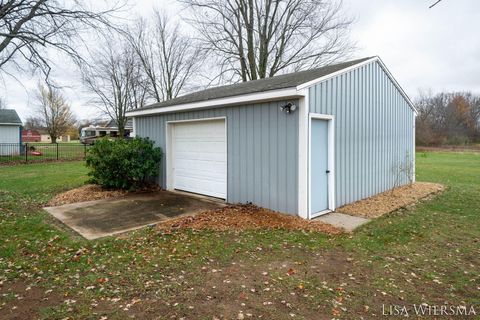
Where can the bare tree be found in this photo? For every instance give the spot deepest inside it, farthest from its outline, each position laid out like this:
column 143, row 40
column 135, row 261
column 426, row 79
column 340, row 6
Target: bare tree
column 33, row 122
column 255, row 39
column 28, row 28
column 447, row 118
column 169, row 59
column 115, row 80
column 54, row 113
column 403, row 171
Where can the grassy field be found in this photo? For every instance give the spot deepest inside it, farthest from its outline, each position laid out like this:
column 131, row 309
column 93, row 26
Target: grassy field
column 427, row 254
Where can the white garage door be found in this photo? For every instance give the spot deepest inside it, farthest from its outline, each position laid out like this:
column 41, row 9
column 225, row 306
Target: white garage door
column 200, row 157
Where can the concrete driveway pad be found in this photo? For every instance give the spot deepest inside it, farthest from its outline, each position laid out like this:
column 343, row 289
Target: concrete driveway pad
column 96, row 219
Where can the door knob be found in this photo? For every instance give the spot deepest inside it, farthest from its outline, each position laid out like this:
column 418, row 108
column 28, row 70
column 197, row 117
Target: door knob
column 328, row 171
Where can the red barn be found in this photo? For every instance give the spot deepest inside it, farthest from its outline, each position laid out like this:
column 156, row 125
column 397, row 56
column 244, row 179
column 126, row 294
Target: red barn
column 30, row 136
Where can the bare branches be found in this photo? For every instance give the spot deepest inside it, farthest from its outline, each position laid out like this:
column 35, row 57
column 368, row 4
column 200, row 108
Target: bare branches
column 29, row 28
column 433, row 5
column 54, row 113
column 33, row 122
column 169, row 59
column 116, row 81
column 261, row 38
column 403, row 171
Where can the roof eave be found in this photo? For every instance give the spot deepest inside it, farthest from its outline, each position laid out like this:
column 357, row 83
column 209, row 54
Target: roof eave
column 270, row 95
column 293, row 92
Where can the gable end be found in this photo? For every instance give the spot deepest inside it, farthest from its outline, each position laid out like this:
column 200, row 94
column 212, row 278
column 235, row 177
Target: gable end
column 357, row 66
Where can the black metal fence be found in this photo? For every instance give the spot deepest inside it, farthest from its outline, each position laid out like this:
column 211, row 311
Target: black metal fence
column 41, row 152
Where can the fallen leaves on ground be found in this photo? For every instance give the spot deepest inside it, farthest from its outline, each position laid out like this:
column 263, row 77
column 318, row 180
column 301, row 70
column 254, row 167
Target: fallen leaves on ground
column 244, row 217
column 91, row 192
column 391, row 200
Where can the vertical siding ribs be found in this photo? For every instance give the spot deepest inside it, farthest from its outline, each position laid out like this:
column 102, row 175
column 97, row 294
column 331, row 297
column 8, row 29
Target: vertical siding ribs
column 373, row 130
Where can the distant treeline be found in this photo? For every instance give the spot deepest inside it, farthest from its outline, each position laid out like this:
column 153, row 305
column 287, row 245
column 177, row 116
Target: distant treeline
column 448, row 119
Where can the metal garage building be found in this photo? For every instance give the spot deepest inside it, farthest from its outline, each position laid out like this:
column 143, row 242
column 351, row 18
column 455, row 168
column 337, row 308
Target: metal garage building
column 10, row 132
column 301, row 143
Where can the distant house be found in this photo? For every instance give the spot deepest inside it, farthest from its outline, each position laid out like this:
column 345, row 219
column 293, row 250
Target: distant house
column 88, row 135
column 10, row 132
column 41, row 135
column 128, row 126
column 31, row 136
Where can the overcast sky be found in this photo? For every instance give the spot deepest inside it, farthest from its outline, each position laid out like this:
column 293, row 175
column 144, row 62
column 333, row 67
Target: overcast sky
column 437, row 49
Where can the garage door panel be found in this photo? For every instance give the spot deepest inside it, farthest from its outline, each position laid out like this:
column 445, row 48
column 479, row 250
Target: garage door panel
column 200, row 137
column 197, row 185
column 198, row 182
column 202, row 157
column 203, row 129
column 199, row 157
column 210, row 192
column 195, row 167
column 200, row 174
column 200, row 147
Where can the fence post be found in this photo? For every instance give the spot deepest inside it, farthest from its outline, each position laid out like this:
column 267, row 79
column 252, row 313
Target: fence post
column 26, row 152
column 57, row 150
column 84, row 151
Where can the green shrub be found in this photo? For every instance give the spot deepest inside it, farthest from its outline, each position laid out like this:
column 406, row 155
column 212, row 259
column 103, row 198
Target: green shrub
column 123, row 164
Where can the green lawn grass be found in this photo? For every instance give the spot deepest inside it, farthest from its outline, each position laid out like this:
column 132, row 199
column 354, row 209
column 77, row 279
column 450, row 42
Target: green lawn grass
column 426, row 254
column 40, row 181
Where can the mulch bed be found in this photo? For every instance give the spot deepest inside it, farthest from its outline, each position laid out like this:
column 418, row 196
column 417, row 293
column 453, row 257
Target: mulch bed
column 391, row 200
column 91, row 192
column 246, row 217
column 87, row 192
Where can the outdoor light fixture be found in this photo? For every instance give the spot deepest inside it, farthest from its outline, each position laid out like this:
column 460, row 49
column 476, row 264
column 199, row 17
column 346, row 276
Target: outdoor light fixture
column 289, row 107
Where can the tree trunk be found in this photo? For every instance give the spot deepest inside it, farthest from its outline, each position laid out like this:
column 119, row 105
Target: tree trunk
column 53, row 139
column 250, row 41
column 121, row 121
column 121, row 132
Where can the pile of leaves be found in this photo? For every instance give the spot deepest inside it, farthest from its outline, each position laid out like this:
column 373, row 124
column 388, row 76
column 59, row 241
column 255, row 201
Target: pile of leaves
column 246, row 217
column 391, row 200
column 92, row 192
column 87, row 192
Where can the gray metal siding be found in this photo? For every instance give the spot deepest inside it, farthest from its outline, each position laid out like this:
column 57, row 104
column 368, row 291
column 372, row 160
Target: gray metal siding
column 374, row 128
column 262, row 151
column 10, row 134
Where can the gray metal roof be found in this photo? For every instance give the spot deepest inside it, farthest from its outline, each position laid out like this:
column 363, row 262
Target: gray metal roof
column 113, row 123
column 9, row 116
column 274, row 83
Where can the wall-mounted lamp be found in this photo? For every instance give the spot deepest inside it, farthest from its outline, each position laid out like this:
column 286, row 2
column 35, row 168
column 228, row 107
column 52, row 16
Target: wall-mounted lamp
column 289, row 107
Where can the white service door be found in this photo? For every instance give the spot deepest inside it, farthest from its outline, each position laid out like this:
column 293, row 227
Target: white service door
column 200, row 157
